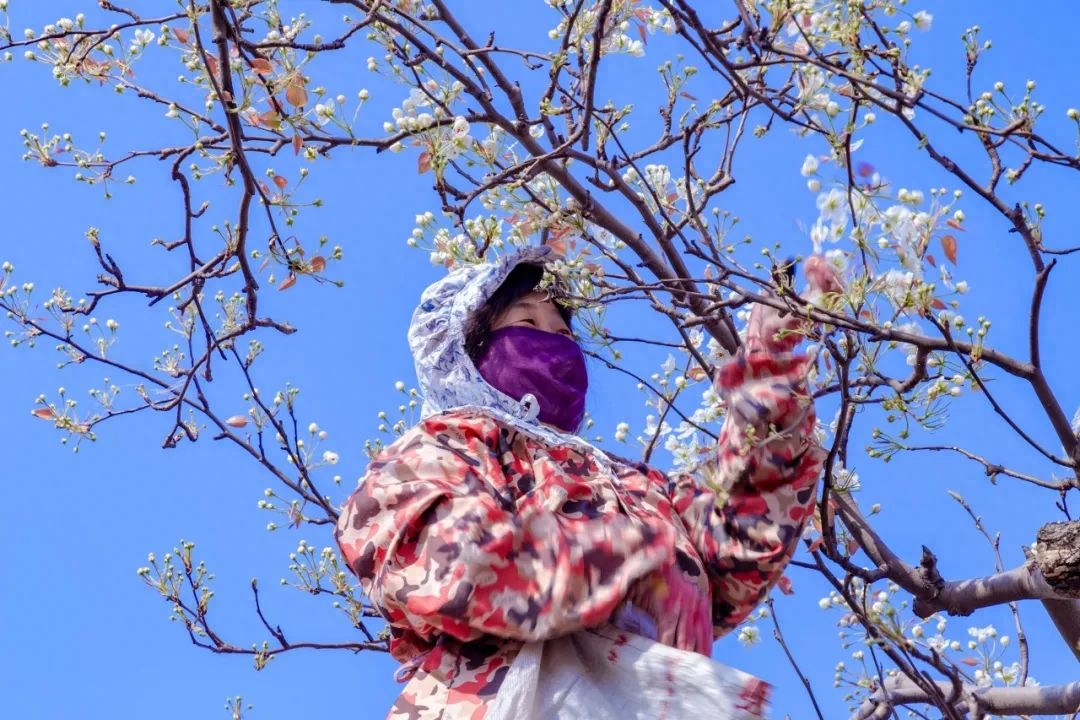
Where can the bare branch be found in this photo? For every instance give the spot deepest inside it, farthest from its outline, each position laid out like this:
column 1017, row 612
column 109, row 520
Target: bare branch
column 975, row 702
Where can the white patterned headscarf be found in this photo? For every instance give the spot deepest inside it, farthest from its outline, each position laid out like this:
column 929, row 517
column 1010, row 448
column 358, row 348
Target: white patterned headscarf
column 447, row 377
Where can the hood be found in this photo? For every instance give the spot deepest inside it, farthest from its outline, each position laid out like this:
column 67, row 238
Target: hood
column 447, row 378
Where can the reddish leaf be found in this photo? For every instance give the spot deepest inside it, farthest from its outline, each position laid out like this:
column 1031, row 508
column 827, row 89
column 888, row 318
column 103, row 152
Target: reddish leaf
column 696, row 373
column 296, row 93
column 948, row 244
column 44, row 413
column 955, row 225
column 280, row 182
column 264, row 264
column 423, row 163
column 557, row 244
column 784, row 583
column 641, row 32
column 816, row 544
column 287, row 282
column 688, row 96
column 937, row 304
column 269, row 119
column 212, row 65
column 181, row 35
column 970, row 662
column 318, row 264
column 930, row 259
column 237, row 421
column 91, row 66
column 262, row 66
column 297, row 143
column 852, row 546
column 559, row 232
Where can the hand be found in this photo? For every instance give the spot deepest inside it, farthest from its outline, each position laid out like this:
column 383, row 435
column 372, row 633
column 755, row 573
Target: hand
column 777, row 331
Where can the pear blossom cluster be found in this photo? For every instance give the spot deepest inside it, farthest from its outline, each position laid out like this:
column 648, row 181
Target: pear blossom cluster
column 623, row 17
column 312, row 566
column 900, row 230
column 425, row 117
column 682, row 436
column 178, row 578
column 664, row 194
column 407, row 415
column 982, row 656
column 816, row 26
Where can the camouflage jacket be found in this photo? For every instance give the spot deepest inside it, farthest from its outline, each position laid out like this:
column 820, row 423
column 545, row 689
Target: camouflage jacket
column 472, row 537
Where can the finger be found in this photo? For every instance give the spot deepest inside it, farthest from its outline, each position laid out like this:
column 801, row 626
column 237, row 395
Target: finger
column 821, row 275
column 771, row 331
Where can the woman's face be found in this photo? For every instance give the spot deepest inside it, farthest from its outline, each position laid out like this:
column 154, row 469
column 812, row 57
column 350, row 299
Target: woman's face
column 533, row 310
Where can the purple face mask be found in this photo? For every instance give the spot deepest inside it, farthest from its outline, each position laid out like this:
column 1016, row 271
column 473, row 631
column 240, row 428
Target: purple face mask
column 522, row 361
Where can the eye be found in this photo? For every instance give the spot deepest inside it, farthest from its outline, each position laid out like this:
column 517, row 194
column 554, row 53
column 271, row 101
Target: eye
column 527, row 320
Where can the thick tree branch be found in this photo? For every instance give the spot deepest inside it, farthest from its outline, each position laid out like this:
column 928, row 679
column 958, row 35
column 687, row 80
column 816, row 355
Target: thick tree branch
column 1066, row 617
column 932, row 592
column 975, row 702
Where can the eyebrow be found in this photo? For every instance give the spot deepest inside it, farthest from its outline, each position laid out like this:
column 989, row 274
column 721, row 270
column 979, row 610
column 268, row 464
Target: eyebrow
column 524, row 302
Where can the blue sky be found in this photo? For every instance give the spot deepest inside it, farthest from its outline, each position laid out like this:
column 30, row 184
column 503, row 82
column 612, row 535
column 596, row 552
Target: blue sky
column 84, row 637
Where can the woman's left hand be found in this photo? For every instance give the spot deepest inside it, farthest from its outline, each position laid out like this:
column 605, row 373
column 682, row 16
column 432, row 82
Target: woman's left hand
column 772, row 330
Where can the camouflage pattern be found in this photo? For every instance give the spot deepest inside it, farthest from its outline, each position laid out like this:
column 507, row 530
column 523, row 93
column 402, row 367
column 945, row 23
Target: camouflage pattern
column 472, row 537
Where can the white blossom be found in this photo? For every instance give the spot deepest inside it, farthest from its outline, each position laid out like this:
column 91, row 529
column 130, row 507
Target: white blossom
column 324, row 112
column 982, row 634
column 844, row 479
column 749, row 635
column 833, row 206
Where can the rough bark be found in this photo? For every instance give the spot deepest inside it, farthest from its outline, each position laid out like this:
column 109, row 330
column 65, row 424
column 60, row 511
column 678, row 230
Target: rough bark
column 1058, row 556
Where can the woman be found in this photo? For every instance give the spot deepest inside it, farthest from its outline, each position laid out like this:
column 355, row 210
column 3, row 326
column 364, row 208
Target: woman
column 491, row 528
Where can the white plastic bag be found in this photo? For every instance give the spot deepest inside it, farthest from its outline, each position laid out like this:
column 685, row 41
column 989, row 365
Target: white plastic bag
column 609, row 674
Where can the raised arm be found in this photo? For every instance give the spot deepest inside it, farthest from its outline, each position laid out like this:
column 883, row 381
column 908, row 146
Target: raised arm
column 767, row 459
column 770, row 463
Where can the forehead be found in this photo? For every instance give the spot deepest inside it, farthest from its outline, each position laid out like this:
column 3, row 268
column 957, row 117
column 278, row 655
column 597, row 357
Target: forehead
column 533, row 298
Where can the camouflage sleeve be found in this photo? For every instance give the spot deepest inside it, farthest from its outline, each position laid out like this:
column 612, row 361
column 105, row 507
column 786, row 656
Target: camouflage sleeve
column 768, row 462
column 441, row 543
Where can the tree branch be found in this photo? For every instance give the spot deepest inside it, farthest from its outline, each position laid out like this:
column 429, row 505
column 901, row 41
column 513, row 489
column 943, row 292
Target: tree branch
column 974, row 701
